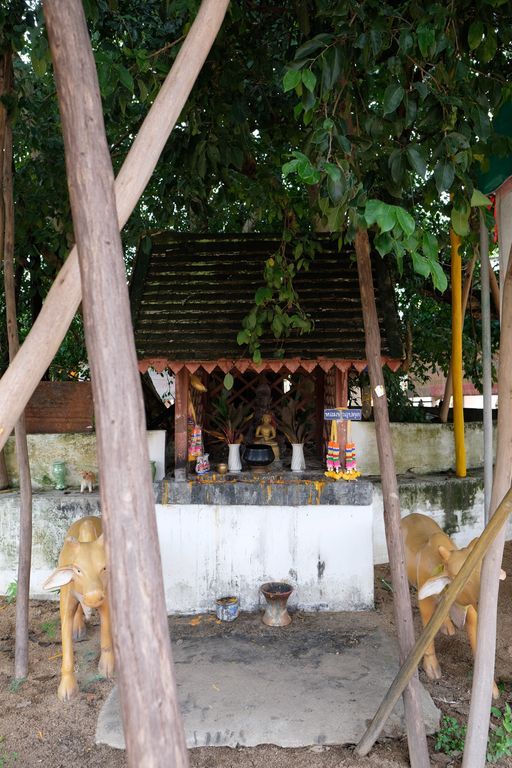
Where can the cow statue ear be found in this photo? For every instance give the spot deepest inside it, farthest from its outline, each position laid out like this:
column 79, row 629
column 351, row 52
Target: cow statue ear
column 433, row 586
column 444, row 553
column 59, row 578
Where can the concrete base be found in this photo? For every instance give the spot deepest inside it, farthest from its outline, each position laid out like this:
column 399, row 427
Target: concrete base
column 304, row 688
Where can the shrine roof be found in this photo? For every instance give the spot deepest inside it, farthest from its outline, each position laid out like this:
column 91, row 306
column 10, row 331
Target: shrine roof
column 189, row 294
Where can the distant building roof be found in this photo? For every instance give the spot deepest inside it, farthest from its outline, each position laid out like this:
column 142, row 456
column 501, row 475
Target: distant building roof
column 189, row 294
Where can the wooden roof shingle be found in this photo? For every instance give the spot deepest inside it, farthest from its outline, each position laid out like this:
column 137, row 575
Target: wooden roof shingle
column 189, row 294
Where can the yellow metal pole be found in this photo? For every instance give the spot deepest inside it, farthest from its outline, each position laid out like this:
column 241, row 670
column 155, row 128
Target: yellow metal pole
column 458, row 401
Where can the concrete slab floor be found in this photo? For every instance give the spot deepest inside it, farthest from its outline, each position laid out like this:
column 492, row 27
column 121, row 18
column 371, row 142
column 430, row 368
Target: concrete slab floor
column 306, row 687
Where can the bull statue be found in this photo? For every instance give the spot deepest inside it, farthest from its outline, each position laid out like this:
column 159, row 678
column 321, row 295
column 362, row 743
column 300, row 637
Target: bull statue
column 433, row 561
column 82, row 579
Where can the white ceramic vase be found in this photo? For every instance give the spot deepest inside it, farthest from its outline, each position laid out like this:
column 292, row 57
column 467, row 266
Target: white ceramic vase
column 234, row 460
column 298, row 461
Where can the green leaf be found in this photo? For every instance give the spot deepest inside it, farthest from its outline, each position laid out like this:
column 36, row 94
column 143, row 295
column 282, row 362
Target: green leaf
column 290, row 166
column 262, row 295
column 397, row 166
column 393, row 96
column 475, row 34
column 426, row 39
column 373, row 209
column 383, row 243
column 416, row 158
column 291, row 79
column 430, row 246
column 479, row 199
column 489, row 46
column 125, row 77
column 439, row 278
column 320, row 41
column 228, row 381
column 443, row 175
column 460, row 221
column 243, row 337
column 336, row 189
column 309, row 79
column 405, row 221
column 256, row 356
column 420, row 264
column 333, row 171
column 387, row 218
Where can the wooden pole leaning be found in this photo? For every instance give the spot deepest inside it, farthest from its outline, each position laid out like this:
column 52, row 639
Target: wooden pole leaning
column 416, row 736
column 408, row 668
column 152, row 721
column 42, row 343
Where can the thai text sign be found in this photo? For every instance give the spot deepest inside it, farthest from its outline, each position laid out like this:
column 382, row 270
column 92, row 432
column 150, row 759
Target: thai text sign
column 342, row 414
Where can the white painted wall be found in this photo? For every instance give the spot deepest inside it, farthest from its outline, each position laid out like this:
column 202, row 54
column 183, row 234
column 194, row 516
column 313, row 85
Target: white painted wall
column 417, row 448
column 208, row 552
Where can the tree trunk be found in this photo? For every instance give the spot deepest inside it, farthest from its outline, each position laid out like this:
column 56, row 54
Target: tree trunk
column 418, row 750
column 481, row 695
column 61, row 303
column 149, row 703
column 25, row 537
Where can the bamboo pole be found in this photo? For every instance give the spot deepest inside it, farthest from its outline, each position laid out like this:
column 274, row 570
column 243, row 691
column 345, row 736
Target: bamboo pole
column 416, row 737
column 21, row 378
column 152, row 721
column 448, row 597
column 448, row 388
column 458, row 400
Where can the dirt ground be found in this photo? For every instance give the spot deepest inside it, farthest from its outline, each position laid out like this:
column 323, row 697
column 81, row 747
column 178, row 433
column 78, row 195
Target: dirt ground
column 37, row 729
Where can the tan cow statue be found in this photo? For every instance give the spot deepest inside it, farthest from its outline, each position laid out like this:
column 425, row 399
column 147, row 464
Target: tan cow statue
column 82, row 580
column 433, row 561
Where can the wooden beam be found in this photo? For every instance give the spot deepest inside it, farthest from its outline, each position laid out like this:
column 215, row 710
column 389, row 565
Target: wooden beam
column 181, row 409
column 479, row 713
column 417, row 740
column 63, row 299
column 20, row 432
column 152, row 722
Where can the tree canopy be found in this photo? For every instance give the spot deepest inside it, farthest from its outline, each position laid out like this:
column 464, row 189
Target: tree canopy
column 308, row 115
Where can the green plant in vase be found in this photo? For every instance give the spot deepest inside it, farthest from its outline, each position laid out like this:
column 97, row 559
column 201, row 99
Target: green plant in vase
column 294, row 422
column 228, row 422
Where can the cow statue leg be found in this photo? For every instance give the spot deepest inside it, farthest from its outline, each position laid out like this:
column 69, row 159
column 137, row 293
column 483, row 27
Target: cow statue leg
column 106, row 663
column 431, row 666
column 79, row 631
column 68, row 684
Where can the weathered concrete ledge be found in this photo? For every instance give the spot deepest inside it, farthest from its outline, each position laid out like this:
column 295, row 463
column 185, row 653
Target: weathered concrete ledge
column 280, row 489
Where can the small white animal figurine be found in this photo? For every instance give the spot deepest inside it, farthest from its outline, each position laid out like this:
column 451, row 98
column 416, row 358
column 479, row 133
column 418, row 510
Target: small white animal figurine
column 88, row 480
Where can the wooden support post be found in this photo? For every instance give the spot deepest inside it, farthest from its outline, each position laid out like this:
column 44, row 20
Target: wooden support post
column 492, row 530
column 181, row 384
column 341, row 401
column 319, row 415
column 151, row 717
column 417, row 740
column 20, row 432
column 479, row 713
column 39, row 348
column 458, row 398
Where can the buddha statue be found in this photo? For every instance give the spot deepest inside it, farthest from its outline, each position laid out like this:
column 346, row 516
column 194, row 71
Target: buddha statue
column 266, row 434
